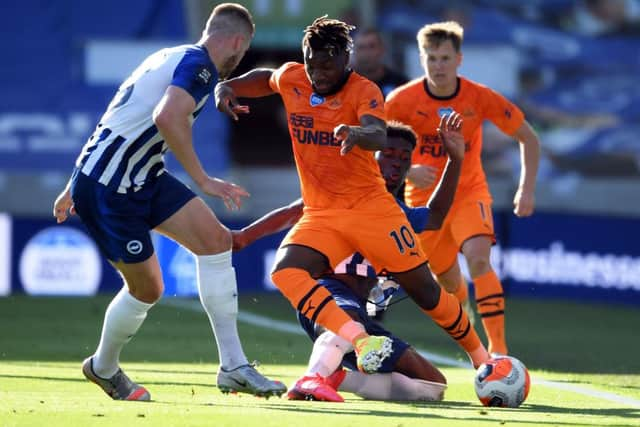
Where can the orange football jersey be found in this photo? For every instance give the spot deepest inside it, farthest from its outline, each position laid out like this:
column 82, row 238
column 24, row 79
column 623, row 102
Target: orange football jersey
column 328, row 179
column 413, row 105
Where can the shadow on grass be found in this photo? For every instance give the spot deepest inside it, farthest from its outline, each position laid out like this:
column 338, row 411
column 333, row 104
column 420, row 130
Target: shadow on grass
column 482, row 415
column 471, row 412
column 82, row 379
column 56, row 365
column 632, row 413
column 37, row 377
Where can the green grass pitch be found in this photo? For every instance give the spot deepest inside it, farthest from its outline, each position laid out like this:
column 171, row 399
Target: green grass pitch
column 583, row 358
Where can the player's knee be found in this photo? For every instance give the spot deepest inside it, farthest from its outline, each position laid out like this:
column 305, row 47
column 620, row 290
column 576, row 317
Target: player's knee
column 450, row 285
column 478, row 265
column 147, row 294
column 214, row 243
column 144, row 283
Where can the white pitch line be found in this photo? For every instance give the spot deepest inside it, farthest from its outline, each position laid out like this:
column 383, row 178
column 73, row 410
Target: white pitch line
column 294, row 328
column 598, row 394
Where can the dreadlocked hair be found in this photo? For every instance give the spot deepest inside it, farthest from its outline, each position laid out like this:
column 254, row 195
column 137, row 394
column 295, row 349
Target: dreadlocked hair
column 328, row 34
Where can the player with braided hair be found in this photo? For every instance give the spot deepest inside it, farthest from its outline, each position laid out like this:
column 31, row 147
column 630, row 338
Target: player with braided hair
column 330, row 34
column 336, row 122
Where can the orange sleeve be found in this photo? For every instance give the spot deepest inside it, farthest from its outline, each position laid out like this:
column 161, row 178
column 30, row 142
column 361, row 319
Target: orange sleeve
column 276, row 76
column 401, row 104
column 392, row 108
column 370, row 101
column 501, row 112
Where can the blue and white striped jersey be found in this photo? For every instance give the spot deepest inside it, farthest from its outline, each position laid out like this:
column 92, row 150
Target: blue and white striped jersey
column 126, row 148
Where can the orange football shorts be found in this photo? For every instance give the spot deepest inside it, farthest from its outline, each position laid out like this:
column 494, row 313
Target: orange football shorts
column 380, row 231
column 471, row 218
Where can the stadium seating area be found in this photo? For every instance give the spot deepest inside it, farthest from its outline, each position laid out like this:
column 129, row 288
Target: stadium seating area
column 49, row 107
column 577, row 77
column 53, row 34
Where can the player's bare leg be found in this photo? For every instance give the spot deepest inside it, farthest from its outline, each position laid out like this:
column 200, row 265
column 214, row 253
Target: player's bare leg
column 393, row 386
column 413, row 379
column 488, row 290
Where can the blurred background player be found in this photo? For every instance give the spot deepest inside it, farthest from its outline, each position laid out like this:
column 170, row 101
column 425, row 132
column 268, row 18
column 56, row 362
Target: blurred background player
column 354, row 285
column 603, row 18
column 368, row 59
column 121, row 191
column 469, row 226
column 336, row 121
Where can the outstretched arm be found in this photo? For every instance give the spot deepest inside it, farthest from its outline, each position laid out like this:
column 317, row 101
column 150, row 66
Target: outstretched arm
column 524, row 199
column 274, row 221
column 442, row 198
column 253, row 84
column 172, row 118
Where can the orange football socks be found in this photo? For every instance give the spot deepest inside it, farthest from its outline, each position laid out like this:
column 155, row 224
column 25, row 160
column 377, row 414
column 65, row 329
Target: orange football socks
column 450, row 316
column 490, row 304
column 316, row 303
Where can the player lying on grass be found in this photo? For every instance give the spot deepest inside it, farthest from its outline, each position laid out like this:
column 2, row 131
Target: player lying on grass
column 405, row 375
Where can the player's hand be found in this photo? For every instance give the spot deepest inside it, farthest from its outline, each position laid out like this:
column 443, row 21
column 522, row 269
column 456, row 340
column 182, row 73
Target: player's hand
column 450, row 131
column 226, row 102
column 239, row 240
column 230, row 193
column 422, row 176
column 524, row 203
column 63, row 206
column 344, row 134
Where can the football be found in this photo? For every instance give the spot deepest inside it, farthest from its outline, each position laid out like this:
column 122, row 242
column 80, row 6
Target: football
column 502, row 381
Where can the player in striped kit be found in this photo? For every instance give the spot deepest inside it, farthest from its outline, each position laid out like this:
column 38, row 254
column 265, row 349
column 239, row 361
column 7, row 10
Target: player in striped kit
column 121, row 191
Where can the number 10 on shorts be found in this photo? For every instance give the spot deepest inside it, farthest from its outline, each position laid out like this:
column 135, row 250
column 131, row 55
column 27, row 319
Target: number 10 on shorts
column 404, row 238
